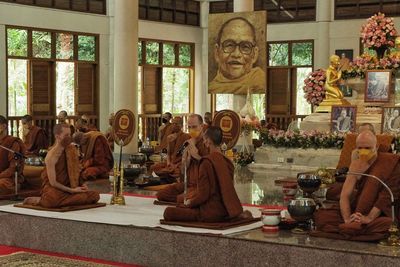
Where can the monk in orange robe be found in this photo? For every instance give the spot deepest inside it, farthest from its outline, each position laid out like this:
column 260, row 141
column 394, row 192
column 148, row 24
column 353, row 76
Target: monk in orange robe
column 192, row 155
column 7, row 161
column 62, row 185
column 364, row 210
column 169, row 171
column 215, row 198
column 35, row 138
column 163, row 132
column 97, row 156
column 62, row 118
column 90, row 126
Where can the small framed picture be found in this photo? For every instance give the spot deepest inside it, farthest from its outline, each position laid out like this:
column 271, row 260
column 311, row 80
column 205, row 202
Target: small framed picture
column 377, row 85
column 346, row 90
column 346, row 56
column 343, row 119
column 391, row 120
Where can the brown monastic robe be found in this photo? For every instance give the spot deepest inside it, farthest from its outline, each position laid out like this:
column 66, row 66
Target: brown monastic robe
column 165, row 131
column 110, row 138
column 368, row 193
column 35, row 140
column 174, row 192
column 171, row 172
column 215, row 198
column 98, row 159
column 66, row 167
column 7, row 163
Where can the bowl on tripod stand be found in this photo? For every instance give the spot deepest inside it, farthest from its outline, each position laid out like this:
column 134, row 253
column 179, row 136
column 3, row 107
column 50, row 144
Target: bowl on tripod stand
column 302, row 210
column 308, row 183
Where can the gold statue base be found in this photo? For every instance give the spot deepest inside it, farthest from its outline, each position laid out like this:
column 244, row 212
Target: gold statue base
column 118, row 200
column 326, row 105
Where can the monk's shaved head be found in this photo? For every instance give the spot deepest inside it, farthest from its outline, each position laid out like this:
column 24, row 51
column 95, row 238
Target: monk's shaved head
column 366, row 139
column 196, row 116
column 214, row 133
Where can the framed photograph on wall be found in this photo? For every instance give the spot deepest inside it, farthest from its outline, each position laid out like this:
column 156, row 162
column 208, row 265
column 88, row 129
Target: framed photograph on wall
column 377, row 85
column 391, row 120
column 343, row 119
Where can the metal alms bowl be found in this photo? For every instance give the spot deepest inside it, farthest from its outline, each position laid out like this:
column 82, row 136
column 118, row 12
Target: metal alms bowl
column 308, row 182
column 301, row 209
column 138, row 158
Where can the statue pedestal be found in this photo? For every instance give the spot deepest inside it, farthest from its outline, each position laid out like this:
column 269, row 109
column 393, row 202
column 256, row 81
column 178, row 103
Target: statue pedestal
column 322, row 121
column 326, row 105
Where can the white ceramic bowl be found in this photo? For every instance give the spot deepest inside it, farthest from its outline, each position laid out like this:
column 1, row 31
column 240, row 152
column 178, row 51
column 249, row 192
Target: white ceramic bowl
column 271, row 217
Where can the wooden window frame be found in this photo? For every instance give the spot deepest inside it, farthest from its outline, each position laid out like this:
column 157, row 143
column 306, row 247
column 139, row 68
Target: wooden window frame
column 191, row 68
column 54, row 60
column 357, row 5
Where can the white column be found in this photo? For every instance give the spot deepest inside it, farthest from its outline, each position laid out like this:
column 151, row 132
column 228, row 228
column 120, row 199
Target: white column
column 324, row 17
column 125, row 60
column 241, row 6
column 202, row 98
column 3, row 74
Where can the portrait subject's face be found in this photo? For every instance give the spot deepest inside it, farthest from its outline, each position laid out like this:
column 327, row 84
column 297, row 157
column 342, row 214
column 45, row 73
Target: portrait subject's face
column 343, row 113
column 237, row 51
column 395, row 113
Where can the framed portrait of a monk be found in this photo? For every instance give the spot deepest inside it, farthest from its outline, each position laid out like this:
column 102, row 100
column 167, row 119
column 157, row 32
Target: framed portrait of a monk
column 391, row 120
column 343, row 119
column 237, row 52
column 377, row 85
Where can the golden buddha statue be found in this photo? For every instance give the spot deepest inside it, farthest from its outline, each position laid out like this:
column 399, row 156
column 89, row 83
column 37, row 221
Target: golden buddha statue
column 333, row 95
column 397, row 45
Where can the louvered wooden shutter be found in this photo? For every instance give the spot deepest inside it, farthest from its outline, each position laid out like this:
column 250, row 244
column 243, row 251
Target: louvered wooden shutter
column 278, row 91
column 40, row 88
column 85, row 89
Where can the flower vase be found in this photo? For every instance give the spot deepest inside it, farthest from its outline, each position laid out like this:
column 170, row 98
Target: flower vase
column 380, row 51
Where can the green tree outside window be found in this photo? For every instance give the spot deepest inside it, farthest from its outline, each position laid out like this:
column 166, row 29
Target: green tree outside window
column 17, row 42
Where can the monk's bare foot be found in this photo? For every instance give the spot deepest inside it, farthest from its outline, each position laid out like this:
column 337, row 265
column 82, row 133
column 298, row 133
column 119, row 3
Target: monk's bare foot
column 246, row 215
column 32, row 201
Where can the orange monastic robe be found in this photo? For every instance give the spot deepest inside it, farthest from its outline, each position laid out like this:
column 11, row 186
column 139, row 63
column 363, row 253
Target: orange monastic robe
column 35, row 140
column 171, row 172
column 215, row 198
column 368, row 193
column 7, row 163
column 174, row 192
column 54, row 198
column 98, row 158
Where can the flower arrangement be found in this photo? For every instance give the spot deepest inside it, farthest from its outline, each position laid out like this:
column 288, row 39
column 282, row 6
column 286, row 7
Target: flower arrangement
column 302, row 139
column 367, row 62
column 314, row 91
column 249, row 125
column 244, row 158
column 379, row 31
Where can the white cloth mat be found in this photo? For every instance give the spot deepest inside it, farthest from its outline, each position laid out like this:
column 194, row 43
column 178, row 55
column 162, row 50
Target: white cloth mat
column 138, row 211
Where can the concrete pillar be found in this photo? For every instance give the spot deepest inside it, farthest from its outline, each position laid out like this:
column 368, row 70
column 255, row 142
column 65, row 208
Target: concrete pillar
column 125, row 60
column 241, row 6
column 203, row 104
column 3, row 74
column 324, row 17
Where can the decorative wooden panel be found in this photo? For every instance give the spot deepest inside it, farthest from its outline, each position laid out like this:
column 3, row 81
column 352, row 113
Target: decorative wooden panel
column 85, row 89
column 151, row 96
column 40, row 87
column 278, row 91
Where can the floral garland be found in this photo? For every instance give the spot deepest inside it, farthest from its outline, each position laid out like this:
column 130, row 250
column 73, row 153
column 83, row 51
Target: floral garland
column 248, row 126
column 302, row 139
column 244, row 158
column 314, row 91
column 379, row 31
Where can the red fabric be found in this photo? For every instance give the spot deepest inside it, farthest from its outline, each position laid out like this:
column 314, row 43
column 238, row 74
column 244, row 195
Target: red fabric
column 6, row 250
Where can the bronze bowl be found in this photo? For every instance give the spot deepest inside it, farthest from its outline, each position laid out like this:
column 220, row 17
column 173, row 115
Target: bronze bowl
column 308, row 182
column 138, row 158
column 148, row 151
column 301, row 209
column 42, row 153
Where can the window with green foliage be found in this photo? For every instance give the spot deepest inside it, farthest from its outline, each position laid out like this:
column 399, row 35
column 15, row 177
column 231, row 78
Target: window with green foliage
column 223, row 101
column 176, row 90
column 302, row 54
column 27, row 49
column 86, row 48
column 17, row 42
column 140, row 52
column 17, row 87
column 41, row 44
column 185, row 55
column 278, row 54
column 168, row 54
column 152, row 53
column 64, row 46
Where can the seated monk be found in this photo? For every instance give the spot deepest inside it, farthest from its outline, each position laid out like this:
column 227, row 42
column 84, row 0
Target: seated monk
column 7, row 161
column 214, row 199
column 62, row 118
column 61, row 184
column 97, row 157
column 364, row 211
column 90, row 126
column 192, row 154
column 169, row 171
column 35, row 138
column 109, row 133
column 163, row 131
